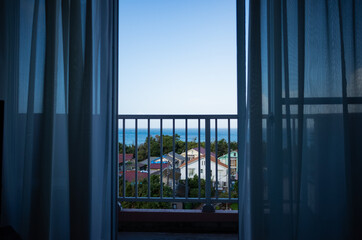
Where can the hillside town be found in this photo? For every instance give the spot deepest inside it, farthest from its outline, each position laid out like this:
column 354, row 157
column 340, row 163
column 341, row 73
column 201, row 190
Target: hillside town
column 174, row 167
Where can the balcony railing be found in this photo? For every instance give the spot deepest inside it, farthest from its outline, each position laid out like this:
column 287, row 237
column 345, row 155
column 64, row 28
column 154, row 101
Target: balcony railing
column 174, row 166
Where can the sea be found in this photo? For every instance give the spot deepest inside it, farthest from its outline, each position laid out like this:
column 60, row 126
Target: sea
column 192, row 134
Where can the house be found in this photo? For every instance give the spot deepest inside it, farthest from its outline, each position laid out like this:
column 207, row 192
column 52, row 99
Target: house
column 154, row 167
column 154, row 164
column 233, row 161
column 130, row 163
column 167, row 175
column 168, row 158
column 167, row 171
column 131, row 175
column 193, row 169
column 158, row 159
column 127, row 158
column 194, row 152
column 179, row 159
column 141, row 165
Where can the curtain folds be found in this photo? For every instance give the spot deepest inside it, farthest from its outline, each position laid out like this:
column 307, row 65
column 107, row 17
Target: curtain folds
column 58, row 82
column 304, row 114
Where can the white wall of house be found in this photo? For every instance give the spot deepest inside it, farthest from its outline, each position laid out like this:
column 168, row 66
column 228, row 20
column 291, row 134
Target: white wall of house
column 193, row 169
column 192, row 153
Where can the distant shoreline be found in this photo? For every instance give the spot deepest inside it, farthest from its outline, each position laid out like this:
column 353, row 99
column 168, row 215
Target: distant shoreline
column 175, row 128
column 192, row 134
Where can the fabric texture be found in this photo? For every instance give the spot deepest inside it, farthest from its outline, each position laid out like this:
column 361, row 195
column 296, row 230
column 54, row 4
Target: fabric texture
column 58, row 81
column 303, row 155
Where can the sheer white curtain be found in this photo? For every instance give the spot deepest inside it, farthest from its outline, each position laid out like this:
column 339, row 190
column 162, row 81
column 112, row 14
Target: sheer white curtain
column 303, row 121
column 58, row 80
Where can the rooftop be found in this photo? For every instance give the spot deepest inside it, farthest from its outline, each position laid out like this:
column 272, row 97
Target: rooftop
column 203, row 151
column 158, row 165
column 131, row 175
column 127, row 157
column 213, row 159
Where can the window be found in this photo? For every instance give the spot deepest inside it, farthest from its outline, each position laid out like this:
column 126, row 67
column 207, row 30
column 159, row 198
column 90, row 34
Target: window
column 233, row 163
column 175, row 48
column 191, row 172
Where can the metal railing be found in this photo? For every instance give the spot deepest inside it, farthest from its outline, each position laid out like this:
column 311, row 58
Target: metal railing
column 210, row 185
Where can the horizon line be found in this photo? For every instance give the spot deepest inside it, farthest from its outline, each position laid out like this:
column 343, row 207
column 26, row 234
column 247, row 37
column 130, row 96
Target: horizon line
column 179, row 128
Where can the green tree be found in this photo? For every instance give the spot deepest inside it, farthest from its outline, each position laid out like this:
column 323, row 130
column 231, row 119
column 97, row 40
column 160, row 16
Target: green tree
column 234, row 194
column 130, row 149
column 222, row 147
column 155, row 146
column 143, row 192
column 234, row 146
column 180, row 146
column 193, row 188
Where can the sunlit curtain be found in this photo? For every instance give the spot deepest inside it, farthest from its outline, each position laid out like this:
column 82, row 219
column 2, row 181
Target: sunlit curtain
column 58, row 81
column 303, row 152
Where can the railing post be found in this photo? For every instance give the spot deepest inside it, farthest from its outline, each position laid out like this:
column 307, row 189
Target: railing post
column 208, row 207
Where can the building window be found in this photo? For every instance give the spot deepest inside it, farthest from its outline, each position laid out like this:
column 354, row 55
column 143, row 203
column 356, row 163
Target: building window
column 191, row 172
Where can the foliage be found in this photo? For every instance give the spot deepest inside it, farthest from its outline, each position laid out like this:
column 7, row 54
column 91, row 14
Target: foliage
column 130, row 149
column 143, row 192
column 193, row 189
column 234, row 194
column 180, row 146
column 155, row 146
column 234, row 206
column 222, row 147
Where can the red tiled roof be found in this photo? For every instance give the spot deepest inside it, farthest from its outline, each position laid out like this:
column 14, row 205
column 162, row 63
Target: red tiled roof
column 131, row 175
column 158, row 166
column 201, row 157
column 127, row 157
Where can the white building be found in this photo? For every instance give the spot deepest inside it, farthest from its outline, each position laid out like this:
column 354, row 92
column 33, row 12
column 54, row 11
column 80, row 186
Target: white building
column 193, row 169
column 233, row 161
column 194, row 152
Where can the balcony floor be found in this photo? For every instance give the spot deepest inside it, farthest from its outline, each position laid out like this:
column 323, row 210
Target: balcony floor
column 174, row 236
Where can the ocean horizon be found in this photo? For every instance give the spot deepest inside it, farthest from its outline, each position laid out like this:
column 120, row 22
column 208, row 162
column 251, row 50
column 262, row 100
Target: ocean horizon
column 192, row 134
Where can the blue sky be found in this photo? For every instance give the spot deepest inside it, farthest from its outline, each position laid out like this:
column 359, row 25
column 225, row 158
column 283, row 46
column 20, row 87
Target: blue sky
column 177, row 56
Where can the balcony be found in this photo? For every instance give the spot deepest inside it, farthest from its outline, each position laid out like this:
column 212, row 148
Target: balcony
column 201, row 173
